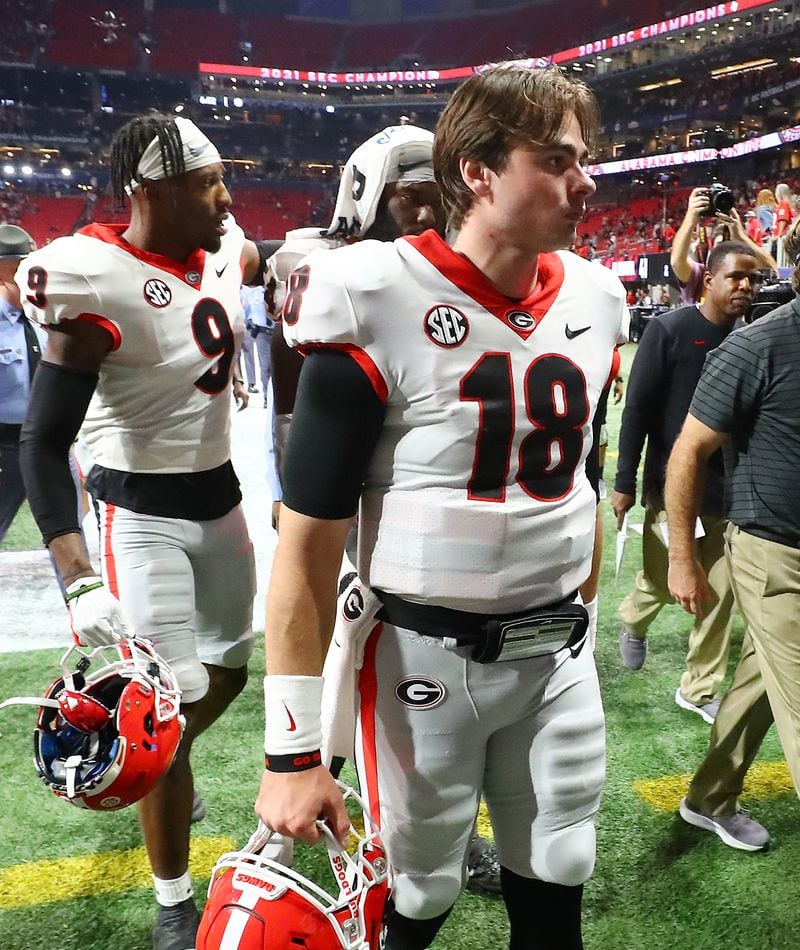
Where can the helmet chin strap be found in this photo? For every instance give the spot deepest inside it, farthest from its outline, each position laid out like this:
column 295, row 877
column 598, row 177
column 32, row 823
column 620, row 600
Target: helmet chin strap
column 30, row 701
column 71, row 765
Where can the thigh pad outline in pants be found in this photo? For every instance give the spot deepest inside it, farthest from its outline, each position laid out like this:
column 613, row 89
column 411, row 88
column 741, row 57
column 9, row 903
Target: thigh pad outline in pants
column 419, row 749
column 545, row 772
column 148, row 560
column 436, row 728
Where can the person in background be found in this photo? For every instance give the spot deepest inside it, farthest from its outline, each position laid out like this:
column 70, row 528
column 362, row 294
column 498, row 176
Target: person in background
column 689, row 270
column 260, row 326
column 664, row 374
column 747, row 403
column 784, row 215
column 21, row 346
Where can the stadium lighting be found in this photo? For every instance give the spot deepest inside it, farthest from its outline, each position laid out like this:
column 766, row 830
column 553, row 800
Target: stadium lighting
column 9, row 169
column 66, row 173
column 26, row 170
column 330, row 109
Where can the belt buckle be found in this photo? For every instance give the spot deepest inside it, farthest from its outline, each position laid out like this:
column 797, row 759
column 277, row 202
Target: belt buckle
column 542, row 633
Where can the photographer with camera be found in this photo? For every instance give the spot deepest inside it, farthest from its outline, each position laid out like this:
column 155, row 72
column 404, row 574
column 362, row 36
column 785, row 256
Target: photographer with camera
column 748, row 401
column 717, row 202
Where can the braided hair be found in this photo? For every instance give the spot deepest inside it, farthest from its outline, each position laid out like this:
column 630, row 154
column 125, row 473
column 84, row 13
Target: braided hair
column 129, row 144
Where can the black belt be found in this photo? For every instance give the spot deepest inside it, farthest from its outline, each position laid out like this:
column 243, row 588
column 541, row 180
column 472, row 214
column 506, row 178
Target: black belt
column 518, row 635
column 9, row 430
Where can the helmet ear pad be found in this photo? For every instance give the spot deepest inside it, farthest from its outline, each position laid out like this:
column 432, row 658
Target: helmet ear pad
column 82, row 711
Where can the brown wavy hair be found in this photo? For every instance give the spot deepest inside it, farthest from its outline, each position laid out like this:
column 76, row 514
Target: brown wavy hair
column 493, row 111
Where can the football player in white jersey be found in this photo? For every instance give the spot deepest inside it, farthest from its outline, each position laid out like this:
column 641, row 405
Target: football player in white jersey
column 144, row 322
column 387, row 190
column 448, row 392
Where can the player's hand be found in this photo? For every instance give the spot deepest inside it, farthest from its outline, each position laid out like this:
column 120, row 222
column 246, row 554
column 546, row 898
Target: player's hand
column 291, row 802
column 276, row 515
column 240, row 395
column 622, row 503
column 688, row 584
column 617, row 391
column 96, row 616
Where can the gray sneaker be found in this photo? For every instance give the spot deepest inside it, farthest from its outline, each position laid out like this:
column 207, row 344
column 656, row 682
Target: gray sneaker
column 632, row 650
column 176, row 927
column 738, row 830
column 707, row 711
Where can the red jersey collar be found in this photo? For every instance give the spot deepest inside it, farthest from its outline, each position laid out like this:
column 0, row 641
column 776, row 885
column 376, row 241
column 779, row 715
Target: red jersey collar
column 460, row 271
column 112, row 234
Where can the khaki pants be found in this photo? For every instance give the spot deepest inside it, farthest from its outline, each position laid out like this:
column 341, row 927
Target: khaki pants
column 766, row 582
column 710, row 638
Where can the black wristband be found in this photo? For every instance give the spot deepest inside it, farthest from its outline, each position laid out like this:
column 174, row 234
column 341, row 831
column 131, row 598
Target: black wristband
column 296, row 762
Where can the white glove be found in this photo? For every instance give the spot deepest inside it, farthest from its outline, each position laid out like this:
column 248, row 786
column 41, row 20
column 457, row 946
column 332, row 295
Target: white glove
column 96, row 616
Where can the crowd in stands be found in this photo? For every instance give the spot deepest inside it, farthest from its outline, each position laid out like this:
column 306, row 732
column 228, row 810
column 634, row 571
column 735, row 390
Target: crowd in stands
column 647, row 225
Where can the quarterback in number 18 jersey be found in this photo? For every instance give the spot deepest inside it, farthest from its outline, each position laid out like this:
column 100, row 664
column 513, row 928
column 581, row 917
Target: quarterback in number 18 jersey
column 489, row 407
column 162, row 403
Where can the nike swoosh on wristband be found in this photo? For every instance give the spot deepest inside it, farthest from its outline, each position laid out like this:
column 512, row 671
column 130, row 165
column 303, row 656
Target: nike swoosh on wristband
column 571, row 334
column 292, row 727
column 221, row 271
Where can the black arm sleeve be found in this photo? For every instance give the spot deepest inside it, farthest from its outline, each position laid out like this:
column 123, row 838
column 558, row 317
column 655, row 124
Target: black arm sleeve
column 642, row 403
column 337, row 420
column 265, row 251
column 58, row 403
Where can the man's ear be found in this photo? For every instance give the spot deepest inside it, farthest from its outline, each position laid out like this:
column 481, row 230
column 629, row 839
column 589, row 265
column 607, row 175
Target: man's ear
column 477, row 176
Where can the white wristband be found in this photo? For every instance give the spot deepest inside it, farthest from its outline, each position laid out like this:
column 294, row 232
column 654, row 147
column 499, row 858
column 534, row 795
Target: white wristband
column 292, row 708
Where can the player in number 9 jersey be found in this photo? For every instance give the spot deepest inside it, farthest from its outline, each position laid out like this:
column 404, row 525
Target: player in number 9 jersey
column 143, row 325
column 448, row 393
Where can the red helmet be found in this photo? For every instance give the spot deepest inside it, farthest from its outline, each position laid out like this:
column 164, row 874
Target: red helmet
column 254, row 903
column 109, row 727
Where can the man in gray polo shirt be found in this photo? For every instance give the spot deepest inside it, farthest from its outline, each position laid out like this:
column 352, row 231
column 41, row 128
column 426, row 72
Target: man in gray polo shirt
column 747, row 400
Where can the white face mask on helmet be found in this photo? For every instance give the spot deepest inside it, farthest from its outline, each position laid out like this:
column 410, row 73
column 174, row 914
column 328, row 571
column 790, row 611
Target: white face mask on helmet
column 254, row 903
column 109, row 726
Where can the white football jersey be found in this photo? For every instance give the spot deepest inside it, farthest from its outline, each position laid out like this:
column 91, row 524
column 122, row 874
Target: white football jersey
column 162, row 403
column 476, row 496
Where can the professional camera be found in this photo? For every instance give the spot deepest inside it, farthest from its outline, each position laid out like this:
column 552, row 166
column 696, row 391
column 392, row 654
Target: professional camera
column 768, row 298
column 721, row 200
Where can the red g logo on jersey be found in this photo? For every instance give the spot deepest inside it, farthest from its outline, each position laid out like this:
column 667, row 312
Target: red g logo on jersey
column 157, row 293
column 446, row 326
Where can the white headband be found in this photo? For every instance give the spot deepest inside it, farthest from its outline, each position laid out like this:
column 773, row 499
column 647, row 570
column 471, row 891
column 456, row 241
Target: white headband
column 198, row 152
column 399, row 153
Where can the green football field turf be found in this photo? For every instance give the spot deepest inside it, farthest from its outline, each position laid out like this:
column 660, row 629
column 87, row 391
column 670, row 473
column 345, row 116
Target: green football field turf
column 74, row 880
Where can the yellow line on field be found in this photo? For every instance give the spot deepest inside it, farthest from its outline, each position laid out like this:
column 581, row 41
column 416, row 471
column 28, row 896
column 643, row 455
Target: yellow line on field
column 764, row 780
column 43, row 882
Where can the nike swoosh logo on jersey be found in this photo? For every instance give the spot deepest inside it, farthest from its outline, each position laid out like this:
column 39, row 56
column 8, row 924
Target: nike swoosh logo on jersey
column 221, row 271
column 292, row 727
column 571, row 334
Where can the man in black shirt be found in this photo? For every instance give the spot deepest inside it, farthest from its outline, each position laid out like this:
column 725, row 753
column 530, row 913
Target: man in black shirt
column 663, row 378
column 747, row 400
